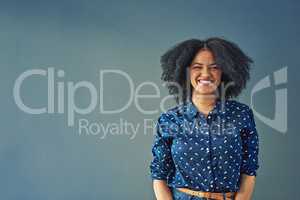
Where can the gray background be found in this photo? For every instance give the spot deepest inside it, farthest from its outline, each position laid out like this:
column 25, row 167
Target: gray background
column 42, row 158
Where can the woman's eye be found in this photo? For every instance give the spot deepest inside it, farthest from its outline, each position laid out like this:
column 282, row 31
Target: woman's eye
column 197, row 67
column 214, row 67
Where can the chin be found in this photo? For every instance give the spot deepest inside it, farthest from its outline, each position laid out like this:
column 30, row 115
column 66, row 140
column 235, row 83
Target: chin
column 205, row 91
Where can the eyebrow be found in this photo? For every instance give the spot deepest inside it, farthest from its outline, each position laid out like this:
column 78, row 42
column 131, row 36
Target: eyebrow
column 203, row 64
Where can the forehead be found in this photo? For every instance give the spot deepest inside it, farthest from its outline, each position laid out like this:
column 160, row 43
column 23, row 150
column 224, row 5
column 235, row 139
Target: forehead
column 204, row 57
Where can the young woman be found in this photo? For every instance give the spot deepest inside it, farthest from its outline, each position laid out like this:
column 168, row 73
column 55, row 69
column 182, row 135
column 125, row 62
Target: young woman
column 206, row 147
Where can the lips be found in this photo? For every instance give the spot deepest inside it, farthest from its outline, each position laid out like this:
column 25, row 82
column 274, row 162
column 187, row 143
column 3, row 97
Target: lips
column 204, row 81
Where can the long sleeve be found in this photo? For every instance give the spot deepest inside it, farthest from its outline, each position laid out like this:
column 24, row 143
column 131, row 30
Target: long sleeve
column 162, row 164
column 250, row 146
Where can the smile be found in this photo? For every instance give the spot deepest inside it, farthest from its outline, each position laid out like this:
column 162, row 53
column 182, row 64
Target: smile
column 204, row 82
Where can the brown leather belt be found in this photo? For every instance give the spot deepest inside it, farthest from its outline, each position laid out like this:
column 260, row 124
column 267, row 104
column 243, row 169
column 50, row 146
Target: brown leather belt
column 211, row 195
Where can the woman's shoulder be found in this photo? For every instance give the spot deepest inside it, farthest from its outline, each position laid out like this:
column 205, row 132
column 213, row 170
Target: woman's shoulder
column 239, row 108
column 237, row 105
column 173, row 112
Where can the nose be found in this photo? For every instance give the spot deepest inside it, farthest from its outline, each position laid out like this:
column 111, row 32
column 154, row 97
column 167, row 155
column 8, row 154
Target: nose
column 205, row 71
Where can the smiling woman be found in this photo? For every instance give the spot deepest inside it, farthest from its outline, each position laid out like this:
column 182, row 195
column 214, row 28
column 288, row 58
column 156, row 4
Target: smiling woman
column 203, row 158
column 205, row 73
column 233, row 62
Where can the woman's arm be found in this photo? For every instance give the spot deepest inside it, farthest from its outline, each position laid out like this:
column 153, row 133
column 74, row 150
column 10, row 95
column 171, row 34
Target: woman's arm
column 161, row 190
column 246, row 187
column 250, row 159
column 162, row 164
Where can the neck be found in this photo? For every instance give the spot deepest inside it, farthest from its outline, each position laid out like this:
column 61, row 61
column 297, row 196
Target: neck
column 204, row 103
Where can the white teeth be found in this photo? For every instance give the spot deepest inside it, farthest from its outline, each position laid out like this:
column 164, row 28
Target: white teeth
column 204, row 81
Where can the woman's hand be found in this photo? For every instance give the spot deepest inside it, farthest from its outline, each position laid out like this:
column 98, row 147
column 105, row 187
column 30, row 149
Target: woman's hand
column 161, row 190
column 246, row 188
column 241, row 197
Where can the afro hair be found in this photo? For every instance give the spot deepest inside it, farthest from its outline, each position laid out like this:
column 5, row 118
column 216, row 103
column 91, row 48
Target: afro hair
column 234, row 63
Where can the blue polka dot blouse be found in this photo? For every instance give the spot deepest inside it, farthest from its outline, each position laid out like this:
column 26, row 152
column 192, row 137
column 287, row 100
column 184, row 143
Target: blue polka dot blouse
column 207, row 153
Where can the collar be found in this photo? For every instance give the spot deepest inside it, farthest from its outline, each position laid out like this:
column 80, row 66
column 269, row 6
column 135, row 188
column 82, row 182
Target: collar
column 191, row 110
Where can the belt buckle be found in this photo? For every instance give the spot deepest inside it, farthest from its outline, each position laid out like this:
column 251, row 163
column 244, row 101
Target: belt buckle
column 229, row 196
column 199, row 194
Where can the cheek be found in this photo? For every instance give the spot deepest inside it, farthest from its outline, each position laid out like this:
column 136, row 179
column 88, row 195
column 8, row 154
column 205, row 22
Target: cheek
column 217, row 76
column 193, row 76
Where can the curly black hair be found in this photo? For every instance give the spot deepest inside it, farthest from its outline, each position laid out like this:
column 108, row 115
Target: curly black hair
column 234, row 63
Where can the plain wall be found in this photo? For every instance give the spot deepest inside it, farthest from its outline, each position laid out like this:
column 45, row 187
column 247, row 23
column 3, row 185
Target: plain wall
column 43, row 158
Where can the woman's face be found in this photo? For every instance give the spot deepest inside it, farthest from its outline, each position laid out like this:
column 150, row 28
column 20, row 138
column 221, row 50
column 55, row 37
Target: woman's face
column 205, row 75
